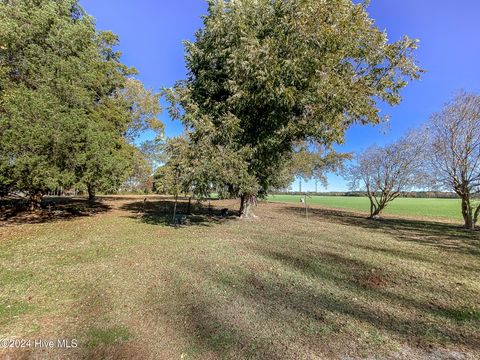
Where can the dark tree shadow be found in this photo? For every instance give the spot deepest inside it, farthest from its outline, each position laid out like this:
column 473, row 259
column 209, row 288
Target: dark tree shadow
column 444, row 236
column 210, row 332
column 15, row 211
column 160, row 212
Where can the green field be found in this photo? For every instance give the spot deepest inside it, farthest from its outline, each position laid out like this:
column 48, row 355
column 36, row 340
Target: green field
column 444, row 208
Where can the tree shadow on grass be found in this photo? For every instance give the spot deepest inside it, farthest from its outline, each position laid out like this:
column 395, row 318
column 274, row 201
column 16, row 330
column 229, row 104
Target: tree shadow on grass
column 415, row 255
column 210, row 330
column 258, row 315
column 439, row 235
column 14, row 211
column 365, row 281
column 361, row 277
column 214, row 333
column 279, row 298
column 160, row 212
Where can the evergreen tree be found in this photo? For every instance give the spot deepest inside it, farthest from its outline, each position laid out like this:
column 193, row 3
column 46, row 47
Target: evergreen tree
column 68, row 107
column 46, row 48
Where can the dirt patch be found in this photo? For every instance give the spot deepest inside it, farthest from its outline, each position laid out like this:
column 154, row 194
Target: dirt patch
column 372, row 280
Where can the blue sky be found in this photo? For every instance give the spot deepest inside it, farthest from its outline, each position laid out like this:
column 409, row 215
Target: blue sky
column 151, row 34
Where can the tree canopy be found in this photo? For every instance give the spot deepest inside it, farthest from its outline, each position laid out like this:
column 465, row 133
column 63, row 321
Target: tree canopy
column 312, row 161
column 45, row 54
column 266, row 75
column 65, row 93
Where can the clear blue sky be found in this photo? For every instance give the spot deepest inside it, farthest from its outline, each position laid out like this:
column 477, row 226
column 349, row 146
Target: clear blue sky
column 151, row 34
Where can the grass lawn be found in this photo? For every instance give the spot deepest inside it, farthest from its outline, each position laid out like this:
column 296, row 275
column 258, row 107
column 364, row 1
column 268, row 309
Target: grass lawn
column 439, row 208
column 127, row 286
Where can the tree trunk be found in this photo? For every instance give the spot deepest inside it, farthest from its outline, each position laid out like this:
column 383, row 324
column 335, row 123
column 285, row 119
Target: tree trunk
column 242, row 205
column 475, row 215
column 469, row 224
column 174, row 220
column 91, row 193
column 189, row 209
column 467, row 213
column 246, row 202
column 35, row 200
column 375, row 210
column 376, row 213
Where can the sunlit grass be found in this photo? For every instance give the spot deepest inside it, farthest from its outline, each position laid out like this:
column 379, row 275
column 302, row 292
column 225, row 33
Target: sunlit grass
column 443, row 208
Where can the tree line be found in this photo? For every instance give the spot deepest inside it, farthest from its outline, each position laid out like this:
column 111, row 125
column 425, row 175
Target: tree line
column 421, row 194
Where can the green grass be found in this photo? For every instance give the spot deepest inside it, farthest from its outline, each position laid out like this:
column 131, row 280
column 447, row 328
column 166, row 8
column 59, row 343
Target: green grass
column 125, row 285
column 108, row 336
column 11, row 309
column 441, row 208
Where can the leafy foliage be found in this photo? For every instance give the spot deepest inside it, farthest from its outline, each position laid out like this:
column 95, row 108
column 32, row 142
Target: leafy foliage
column 265, row 76
column 174, row 177
column 45, row 55
column 312, row 162
column 65, row 93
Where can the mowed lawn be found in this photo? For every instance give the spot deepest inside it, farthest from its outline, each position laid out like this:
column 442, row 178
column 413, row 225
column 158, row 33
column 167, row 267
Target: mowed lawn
column 338, row 286
column 416, row 207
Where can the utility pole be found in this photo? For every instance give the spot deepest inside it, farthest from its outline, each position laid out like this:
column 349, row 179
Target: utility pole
column 300, row 185
column 316, row 187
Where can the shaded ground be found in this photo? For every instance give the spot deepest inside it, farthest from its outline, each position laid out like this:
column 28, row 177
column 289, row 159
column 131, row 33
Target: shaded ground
column 338, row 286
column 13, row 211
column 159, row 211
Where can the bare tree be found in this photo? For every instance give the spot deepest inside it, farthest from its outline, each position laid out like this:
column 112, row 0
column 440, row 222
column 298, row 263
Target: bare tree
column 385, row 172
column 454, row 164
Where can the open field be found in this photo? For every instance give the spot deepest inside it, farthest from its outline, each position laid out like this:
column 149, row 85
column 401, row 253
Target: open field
column 433, row 208
column 339, row 286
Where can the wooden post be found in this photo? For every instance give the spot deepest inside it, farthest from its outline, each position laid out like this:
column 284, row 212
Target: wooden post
column 306, row 206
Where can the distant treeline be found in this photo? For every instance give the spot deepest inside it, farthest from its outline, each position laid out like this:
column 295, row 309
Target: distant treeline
column 410, row 194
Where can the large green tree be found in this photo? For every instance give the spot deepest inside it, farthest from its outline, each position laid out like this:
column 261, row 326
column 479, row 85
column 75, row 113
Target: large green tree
column 69, row 109
column 46, row 48
column 266, row 75
column 116, row 120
